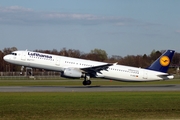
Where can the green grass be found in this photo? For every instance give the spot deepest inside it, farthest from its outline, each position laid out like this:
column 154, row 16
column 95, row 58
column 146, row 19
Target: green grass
column 90, row 106
column 87, row 105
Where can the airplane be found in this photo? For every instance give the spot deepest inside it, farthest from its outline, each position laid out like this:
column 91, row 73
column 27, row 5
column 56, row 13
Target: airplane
column 80, row 68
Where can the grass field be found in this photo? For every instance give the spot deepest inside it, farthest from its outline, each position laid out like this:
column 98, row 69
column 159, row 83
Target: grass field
column 90, row 106
column 87, row 105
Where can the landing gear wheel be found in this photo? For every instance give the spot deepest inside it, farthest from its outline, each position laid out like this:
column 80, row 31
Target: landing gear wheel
column 88, row 82
column 84, row 82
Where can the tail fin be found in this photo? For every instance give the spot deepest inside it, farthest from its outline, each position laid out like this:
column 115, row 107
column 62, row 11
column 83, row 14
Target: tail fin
column 163, row 62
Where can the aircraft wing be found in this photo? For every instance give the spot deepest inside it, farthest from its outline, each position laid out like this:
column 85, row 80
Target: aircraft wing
column 96, row 69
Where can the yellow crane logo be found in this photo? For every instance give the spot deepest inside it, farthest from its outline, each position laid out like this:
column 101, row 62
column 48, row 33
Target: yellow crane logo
column 164, row 61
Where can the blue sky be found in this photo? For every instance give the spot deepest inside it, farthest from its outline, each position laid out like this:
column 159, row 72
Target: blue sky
column 120, row 27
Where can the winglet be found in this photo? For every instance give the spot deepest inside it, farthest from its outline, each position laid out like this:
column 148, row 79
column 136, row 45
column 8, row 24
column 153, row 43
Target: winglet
column 163, row 62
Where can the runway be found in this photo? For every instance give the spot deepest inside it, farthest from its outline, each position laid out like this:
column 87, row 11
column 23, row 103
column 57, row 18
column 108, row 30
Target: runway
column 89, row 88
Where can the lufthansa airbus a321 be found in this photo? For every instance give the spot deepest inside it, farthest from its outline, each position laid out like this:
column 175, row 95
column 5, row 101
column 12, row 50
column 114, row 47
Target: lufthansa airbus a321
column 77, row 68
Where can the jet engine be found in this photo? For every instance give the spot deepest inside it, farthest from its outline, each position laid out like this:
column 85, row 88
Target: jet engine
column 71, row 73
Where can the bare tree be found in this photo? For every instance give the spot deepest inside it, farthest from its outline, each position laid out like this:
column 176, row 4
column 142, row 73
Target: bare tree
column 9, row 50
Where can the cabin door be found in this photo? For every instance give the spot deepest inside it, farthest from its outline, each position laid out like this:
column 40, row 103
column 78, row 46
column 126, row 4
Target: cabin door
column 145, row 75
column 23, row 56
column 57, row 61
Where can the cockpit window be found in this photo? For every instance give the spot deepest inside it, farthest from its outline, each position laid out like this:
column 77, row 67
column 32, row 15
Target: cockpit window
column 14, row 54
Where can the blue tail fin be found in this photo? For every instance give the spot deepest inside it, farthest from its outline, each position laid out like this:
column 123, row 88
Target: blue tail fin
column 163, row 62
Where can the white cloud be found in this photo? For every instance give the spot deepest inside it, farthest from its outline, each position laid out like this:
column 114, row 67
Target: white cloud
column 70, row 16
column 120, row 24
column 19, row 15
column 14, row 9
column 177, row 31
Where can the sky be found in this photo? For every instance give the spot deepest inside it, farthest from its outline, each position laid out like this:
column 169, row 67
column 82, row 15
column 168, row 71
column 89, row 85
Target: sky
column 120, row 27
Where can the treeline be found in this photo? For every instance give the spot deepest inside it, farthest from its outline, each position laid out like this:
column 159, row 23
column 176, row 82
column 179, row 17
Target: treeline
column 142, row 61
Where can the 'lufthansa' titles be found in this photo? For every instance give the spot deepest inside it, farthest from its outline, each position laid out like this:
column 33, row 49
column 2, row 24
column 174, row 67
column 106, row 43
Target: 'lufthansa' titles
column 39, row 55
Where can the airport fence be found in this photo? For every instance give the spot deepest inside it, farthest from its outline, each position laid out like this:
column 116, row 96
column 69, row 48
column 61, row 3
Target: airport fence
column 27, row 75
column 40, row 75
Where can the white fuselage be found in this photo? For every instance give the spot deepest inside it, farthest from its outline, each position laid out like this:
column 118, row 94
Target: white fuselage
column 60, row 63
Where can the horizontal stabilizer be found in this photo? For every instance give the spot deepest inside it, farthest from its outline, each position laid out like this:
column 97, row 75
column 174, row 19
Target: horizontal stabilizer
column 166, row 77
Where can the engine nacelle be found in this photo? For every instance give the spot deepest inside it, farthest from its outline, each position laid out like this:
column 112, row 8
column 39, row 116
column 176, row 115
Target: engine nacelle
column 72, row 73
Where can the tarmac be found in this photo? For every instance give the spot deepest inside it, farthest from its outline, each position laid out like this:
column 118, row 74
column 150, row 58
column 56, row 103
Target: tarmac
column 118, row 88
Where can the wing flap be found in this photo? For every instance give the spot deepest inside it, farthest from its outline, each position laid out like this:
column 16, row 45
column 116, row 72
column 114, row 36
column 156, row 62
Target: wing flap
column 97, row 69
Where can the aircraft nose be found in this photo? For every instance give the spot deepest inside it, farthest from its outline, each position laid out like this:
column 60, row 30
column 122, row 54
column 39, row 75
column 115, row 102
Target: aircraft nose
column 6, row 57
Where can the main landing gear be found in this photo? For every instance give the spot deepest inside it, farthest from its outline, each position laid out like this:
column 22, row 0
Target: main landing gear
column 87, row 80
